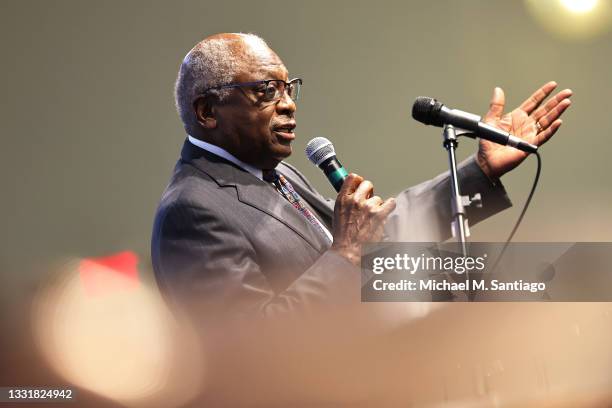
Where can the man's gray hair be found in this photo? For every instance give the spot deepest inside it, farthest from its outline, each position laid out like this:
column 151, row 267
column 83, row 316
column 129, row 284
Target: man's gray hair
column 212, row 62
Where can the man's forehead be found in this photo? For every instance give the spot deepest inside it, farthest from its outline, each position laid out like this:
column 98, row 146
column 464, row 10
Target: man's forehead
column 270, row 70
column 263, row 63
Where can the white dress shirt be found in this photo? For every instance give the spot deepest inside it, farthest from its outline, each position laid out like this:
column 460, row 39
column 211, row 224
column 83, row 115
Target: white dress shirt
column 216, row 150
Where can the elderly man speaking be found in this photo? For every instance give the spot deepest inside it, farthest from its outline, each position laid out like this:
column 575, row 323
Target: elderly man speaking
column 240, row 231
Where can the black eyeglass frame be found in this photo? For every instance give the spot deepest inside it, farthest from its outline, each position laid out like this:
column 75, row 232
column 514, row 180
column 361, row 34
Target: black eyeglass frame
column 254, row 83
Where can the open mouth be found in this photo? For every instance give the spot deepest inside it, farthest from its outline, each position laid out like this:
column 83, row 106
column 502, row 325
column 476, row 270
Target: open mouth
column 286, row 131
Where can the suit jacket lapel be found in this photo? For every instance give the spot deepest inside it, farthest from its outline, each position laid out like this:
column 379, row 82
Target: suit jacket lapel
column 253, row 192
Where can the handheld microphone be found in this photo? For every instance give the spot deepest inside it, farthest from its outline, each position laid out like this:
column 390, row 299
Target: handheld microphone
column 431, row 112
column 321, row 152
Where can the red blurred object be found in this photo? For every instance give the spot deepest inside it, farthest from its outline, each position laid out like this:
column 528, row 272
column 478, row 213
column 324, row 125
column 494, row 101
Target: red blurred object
column 110, row 273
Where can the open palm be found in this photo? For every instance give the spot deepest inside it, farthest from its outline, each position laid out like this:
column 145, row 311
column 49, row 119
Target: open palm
column 496, row 160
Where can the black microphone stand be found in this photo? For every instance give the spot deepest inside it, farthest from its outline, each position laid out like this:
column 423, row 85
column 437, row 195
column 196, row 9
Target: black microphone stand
column 459, row 224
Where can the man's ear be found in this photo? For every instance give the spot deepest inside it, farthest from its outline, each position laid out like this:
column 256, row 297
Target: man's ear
column 205, row 112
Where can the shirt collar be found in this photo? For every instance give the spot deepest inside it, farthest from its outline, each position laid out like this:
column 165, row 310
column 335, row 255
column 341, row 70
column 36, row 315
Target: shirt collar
column 226, row 155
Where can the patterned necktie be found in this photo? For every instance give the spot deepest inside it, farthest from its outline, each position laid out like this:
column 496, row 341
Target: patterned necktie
column 287, row 191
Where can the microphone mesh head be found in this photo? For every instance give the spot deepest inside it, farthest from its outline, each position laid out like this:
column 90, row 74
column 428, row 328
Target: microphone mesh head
column 427, row 110
column 319, row 149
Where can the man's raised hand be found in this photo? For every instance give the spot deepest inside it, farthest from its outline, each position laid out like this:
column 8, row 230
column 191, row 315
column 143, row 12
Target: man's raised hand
column 532, row 121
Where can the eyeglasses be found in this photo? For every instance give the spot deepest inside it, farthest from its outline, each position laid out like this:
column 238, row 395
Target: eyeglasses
column 269, row 90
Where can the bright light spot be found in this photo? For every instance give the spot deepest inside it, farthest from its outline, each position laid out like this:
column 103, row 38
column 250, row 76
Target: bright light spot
column 579, row 6
column 573, row 20
column 122, row 344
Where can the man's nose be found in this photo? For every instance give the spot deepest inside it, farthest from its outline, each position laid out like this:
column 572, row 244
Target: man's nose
column 286, row 104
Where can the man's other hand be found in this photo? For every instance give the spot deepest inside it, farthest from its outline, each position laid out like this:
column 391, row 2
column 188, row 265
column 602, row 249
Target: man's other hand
column 530, row 121
column 359, row 217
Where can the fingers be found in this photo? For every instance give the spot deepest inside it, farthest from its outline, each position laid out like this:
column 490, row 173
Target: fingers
column 380, row 207
column 364, row 191
column 386, row 207
column 551, row 104
column 531, row 103
column 350, row 184
column 374, row 201
column 496, row 106
column 547, row 133
column 359, row 217
column 554, row 114
column 361, row 192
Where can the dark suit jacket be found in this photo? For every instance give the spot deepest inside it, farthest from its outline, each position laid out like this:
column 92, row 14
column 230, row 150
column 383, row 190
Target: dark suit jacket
column 226, row 242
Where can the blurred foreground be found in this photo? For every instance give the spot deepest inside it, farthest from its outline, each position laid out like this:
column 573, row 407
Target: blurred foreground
column 121, row 347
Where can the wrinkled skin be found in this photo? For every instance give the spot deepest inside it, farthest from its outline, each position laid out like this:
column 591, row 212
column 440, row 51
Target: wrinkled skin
column 359, row 217
column 496, row 160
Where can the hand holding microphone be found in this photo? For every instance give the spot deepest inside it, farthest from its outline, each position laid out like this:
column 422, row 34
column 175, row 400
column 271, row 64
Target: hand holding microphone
column 359, row 215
